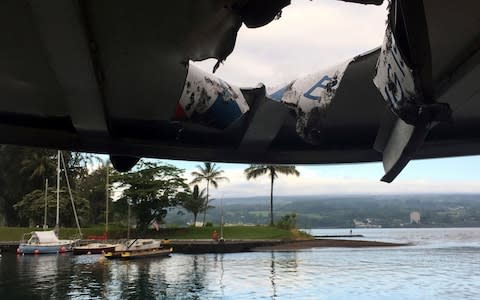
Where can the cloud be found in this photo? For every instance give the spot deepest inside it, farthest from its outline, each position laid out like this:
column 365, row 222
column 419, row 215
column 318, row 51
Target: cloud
column 312, row 182
column 310, row 36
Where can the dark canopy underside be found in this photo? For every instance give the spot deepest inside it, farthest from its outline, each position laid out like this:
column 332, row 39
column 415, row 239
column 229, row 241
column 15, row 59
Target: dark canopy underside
column 114, row 77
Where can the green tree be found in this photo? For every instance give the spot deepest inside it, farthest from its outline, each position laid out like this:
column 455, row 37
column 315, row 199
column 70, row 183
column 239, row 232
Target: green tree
column 23, row 170
column 13, row 183
column 93, row 187
column 195, row 202
column 255, row 171
column 38, row 165
column 31, row 207
column 152, row 189
column 211, row 174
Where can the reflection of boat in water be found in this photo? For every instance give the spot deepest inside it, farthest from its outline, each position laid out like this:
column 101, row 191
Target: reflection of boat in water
column 44, row 242
column 139, row 248
column 94, row 248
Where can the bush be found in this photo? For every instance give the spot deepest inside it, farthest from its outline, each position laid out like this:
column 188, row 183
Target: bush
column 209, row 224
column 288, row 221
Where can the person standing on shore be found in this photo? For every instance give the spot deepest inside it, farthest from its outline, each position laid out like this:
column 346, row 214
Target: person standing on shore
column 215, row 236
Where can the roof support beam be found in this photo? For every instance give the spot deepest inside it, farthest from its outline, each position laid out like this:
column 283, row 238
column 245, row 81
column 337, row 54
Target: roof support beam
column 266, row 117
column 61, row 29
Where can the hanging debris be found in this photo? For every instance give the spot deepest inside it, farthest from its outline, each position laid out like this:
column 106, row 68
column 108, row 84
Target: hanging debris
column 309, row 98
column 210, row 101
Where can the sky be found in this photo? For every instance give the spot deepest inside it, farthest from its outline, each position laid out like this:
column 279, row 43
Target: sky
column 311, row 36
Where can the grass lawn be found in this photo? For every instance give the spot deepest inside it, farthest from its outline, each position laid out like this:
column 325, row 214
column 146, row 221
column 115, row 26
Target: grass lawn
column 118, row 232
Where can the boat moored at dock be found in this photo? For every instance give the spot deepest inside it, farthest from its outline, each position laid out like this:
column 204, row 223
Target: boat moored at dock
column 94, row 248
column 44, row 242
column 138, row 248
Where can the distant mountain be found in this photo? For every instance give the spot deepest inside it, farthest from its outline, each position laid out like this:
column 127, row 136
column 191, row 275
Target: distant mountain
column 344, row 210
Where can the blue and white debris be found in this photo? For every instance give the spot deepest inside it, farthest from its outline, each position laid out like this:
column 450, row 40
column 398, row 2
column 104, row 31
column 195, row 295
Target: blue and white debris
column 310, row 97
column 394, row 79
column 210, row 101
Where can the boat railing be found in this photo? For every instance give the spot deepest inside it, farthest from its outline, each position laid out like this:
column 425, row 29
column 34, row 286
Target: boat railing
column 76, row 236
column 25, row 237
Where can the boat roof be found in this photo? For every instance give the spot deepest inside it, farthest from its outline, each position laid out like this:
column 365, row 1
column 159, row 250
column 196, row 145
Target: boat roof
column 46, row 236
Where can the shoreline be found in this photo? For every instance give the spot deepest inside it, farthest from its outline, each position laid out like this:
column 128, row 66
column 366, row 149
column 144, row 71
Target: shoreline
column 233, row 246
column 203, row 246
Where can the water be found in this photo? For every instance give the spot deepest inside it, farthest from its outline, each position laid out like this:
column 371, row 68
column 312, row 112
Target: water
column 442, row 264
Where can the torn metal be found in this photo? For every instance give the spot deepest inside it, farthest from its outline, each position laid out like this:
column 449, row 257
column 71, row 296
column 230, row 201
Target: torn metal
column 210, row 101
column 309, row 98
column 395, row 81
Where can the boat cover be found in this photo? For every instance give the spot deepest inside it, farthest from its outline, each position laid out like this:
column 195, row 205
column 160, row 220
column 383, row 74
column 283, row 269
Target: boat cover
column 46, row 236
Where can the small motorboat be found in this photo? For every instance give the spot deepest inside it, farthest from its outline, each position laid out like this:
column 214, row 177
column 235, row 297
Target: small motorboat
column 134, row 254
column 94, row 248
column 44, row 242
column 138, row 248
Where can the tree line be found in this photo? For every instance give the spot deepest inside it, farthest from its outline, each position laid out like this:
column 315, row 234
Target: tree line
column 28, row 180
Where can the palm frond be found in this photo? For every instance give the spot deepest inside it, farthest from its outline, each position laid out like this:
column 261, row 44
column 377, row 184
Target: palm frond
column 287, row 170
column 255, row 171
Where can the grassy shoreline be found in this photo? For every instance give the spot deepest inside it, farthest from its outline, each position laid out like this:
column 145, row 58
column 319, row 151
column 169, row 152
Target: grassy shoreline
column 119, row 232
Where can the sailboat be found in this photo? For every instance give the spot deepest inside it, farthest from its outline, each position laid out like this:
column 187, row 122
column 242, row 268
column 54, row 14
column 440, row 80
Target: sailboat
column 47, row 242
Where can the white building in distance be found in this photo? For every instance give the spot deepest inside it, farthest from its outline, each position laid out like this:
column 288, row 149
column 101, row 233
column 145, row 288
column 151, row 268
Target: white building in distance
column 415, row 217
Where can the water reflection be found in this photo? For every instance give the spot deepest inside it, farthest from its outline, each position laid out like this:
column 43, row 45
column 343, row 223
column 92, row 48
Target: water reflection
column 218, row 259
column 272, row 276
column 401, row 273
column 42, row 270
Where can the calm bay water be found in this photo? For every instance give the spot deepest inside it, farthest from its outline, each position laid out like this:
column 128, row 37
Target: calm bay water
column 442, row 264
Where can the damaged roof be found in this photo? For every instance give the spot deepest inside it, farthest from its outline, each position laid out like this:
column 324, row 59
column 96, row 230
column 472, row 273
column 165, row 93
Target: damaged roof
column 116, row 77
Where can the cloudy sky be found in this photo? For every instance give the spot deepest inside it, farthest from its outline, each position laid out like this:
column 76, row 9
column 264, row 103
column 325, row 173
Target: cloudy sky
column 311, row 36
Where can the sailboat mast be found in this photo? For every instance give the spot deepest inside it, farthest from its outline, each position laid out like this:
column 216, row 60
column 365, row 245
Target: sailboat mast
column 46, row 205
column 106, row 200
column 71, row 196
column 57, row 225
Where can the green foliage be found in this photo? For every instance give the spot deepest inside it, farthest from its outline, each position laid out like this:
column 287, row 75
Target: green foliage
column 208, row 224
column 92, row 187
column 211, row 174
column 255, row 171
column 288, row 222
column 32, row 206
column 151, row 189
column 229, row 232
column 38, row 165
column 24, row 170
column 195, row 202
column 119, row 232
column 12, row 182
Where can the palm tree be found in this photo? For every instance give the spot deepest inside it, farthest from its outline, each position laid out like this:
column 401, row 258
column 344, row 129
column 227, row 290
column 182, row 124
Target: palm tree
column 210, row 173
column 255, row 171
column 195, row 203
column 39, row 164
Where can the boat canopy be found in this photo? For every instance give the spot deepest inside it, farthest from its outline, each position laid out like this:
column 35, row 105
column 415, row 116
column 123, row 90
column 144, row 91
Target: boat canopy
column 45, row 236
